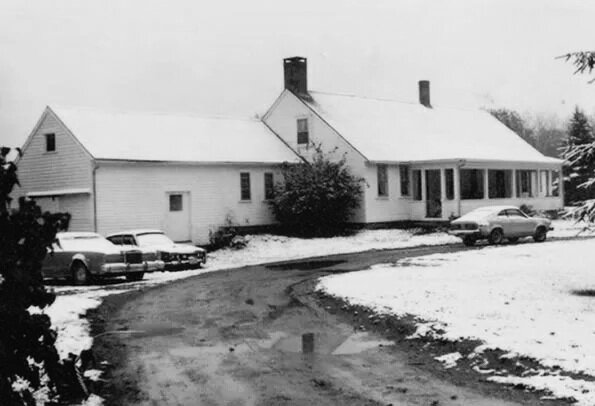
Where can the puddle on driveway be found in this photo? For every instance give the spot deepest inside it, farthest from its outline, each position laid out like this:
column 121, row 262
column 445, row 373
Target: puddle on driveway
column 354, row 344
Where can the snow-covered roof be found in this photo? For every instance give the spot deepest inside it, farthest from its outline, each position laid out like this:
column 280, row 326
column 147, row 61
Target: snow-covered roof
column 393, row 131
column 137, row 232
column 169, row 137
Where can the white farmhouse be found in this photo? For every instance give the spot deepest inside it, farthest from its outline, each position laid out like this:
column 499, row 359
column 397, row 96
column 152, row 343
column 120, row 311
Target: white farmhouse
column 420, row 162
column 190, row 175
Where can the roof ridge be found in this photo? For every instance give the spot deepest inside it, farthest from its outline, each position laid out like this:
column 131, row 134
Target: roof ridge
column 384, row 99
column 58, row 107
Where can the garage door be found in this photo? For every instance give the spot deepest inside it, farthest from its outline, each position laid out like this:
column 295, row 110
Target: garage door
column 78, row 205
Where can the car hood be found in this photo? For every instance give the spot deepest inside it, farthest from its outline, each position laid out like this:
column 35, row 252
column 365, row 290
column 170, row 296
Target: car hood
column 177, row 248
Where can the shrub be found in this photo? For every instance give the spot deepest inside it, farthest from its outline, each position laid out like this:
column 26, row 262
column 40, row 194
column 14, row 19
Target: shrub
column 27, row 351
column 316, row 198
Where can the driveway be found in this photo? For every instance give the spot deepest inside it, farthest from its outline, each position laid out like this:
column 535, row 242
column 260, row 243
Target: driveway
column 234, row 338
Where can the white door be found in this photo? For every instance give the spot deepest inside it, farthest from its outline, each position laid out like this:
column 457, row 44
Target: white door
column 177, row 218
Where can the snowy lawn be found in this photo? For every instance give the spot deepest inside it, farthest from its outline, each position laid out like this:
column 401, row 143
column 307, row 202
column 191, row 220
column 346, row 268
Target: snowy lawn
column 534, row 300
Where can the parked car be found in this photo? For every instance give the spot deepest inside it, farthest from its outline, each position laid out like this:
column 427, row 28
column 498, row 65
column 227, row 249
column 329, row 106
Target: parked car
column 83, row 256
column 176, row 256
column 496, row 223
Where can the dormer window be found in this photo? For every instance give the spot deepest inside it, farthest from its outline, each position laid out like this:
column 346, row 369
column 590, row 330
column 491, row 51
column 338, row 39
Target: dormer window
column 303, row 137
column 50, row 142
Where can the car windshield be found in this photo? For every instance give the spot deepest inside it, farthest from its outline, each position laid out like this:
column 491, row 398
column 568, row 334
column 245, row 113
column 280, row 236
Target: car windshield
column 149, row 239
column 86, row 243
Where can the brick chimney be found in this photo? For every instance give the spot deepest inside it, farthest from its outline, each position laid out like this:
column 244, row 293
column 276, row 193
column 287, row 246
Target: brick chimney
column 295, row 70
column 424, row 93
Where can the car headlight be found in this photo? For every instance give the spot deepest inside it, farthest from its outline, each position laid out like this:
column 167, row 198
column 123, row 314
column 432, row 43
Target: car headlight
column 483, row 224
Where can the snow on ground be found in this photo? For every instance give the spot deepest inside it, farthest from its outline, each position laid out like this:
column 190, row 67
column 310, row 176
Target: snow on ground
column 67, row 313
column 534, row 300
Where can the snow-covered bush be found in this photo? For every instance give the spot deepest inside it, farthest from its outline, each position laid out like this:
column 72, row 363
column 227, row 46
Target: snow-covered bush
column 28, row 356
column 316, row 198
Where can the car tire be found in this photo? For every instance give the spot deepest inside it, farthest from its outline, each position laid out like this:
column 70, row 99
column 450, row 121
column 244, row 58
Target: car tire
column 540, row 234
column 135, row 277
column 513, row 240
column 496, row 236
column 80, row 274
column 469, row 241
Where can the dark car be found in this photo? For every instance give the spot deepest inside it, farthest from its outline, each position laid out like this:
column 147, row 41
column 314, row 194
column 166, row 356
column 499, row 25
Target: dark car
column 176, row 256
column 82, row 257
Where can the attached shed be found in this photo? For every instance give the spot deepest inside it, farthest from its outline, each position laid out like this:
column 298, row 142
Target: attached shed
column 186, row 175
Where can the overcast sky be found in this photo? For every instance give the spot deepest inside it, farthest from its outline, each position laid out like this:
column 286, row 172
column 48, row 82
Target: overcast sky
column 224, row 57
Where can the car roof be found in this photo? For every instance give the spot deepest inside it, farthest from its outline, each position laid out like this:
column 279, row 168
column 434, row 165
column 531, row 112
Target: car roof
column 77, row 234
column 137, row 231
column 496, row 208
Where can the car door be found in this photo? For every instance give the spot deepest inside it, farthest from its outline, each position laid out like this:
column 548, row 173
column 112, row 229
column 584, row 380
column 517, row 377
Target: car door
column 503, row 221
column 520, row 224
column 53, row 263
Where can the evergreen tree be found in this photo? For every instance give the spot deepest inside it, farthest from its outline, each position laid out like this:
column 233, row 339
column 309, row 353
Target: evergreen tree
column 579, row 170
column 27, row 351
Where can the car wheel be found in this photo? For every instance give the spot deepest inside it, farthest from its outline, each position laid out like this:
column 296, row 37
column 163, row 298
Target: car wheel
column 540, row 234
column 469, row 241
column 513, row 239
column 496, row 236
column 133, row 277
column 80, row 274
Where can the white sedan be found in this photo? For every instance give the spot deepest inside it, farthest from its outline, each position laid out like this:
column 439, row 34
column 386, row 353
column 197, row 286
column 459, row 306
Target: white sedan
column 496, row 223
column 176, row 256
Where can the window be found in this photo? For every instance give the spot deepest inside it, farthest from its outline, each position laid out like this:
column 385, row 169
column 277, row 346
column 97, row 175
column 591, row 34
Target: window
column 116, row 239
column 268, row 186
column 449, row 174
column 245, row 186
column 50, row 142
column 382, row 180
column 515, row 213
column 404, row 179
column 555, row 179
column 128, row 240
column 499, row 184
column 471, row 183
column 175, row 202
column 416, row 185
column 302, row 131
column 526, row 183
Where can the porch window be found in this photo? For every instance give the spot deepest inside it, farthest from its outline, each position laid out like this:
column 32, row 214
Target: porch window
column 404, row 179
column 555, row 186
column 449, row 175
column 471, row 183
column 416, row 184
column 526, row 183
column 499, row 184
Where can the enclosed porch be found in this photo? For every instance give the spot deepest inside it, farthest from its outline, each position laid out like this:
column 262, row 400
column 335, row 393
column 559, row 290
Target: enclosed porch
column 440, row 191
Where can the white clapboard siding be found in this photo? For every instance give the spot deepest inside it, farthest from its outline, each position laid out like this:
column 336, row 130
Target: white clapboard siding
column 282, row 119
column 134, row 195
column 68, row 167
